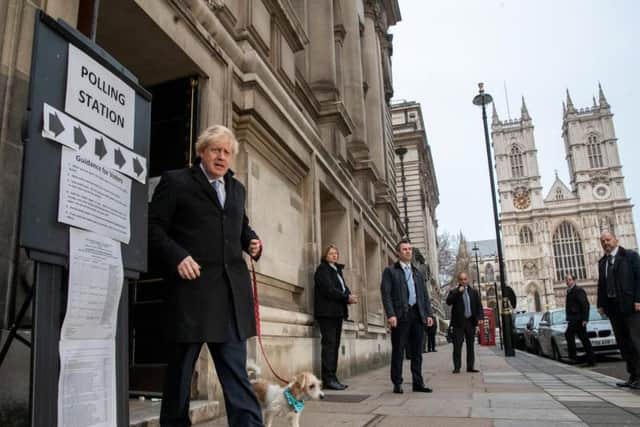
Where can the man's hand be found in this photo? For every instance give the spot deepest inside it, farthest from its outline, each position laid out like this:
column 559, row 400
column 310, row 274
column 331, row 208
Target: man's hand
column 461, row 288
column 636, row 306
column 353, row 299
column 188, row 269
column 584, row 323
column 254, row 247
column 601, row 311
column 429, row 321
column 392, row 321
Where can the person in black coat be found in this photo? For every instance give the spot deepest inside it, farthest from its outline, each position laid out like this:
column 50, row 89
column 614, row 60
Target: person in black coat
column 331, row 298
column 408, row 308
column 577, row 315
column 431, row 336
column 466, row 312
column 198, row 230
column 619, row 299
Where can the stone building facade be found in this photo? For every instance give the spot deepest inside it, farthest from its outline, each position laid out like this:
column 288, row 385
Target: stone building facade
column 421, row 188
column 306, row 86
column 548, row 235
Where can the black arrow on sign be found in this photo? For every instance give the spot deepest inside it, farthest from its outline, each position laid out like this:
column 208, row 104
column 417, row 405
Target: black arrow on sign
column 137, row 166
column 119, row 158
column 100, row 149
column 78, row 136
column 55, row 125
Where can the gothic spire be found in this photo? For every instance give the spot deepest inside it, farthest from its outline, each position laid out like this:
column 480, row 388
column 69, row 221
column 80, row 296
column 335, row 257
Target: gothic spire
column 570, row 107
column 602, row 98
column 524, row 113
column 495, row 120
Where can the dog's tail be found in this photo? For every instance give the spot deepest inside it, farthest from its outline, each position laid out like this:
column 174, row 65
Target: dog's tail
column 253, row 370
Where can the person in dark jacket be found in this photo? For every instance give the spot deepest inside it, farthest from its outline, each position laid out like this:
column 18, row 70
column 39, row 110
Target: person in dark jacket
column 466, row 312
column 331, row 300
column 619, row 299
column 198, row 230
column 408, row 308
column 577, row 315
column 431, row 336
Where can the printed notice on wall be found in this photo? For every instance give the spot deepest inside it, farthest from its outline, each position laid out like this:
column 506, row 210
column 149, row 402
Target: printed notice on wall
column 95, row 284
column 94, row 197
column 87, row 383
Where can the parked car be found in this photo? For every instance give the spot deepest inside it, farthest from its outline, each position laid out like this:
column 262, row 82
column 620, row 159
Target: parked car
column 531, row 333
column 553, row 325
column 520, row 322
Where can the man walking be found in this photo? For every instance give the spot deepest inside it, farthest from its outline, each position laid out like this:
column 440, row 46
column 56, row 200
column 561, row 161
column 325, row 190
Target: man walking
column 466, row 312
column 619, row 299
column 577, row 315
column 407, row 306
column 198, row 229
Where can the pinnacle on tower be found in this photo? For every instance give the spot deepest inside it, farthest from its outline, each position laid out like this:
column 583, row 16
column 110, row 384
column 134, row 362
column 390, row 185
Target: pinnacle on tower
column 602, row 98
column 570, row 108
column 524, row 113
column 495, row 120
column 564, row 108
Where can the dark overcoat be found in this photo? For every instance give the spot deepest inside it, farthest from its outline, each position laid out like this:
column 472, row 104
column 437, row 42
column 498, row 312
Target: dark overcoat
column 577, row 305
column 329, row 298
column 455, row 300
column 395, row 295
column 626, row 268
column 186, row 218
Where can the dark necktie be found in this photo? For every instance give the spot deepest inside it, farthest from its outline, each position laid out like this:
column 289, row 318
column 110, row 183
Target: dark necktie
column 611, row 280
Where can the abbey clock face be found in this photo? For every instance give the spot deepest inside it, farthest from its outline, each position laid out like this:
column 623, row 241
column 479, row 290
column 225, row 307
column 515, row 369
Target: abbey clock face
column 601, row 191
column 521, row 199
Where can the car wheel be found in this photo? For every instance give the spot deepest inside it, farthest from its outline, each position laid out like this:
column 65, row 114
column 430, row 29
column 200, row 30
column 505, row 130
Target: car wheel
column 556, row 353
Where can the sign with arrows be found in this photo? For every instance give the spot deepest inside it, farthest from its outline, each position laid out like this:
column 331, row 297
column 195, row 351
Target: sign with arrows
column 66, row 130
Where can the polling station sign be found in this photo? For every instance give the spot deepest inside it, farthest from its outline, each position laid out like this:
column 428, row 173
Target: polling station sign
column 97, row 97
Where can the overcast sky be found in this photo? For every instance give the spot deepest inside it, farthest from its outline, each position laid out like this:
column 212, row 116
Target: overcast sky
column 442, row 49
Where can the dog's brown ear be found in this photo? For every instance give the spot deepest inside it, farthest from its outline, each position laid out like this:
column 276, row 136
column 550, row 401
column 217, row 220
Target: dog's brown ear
column 299, row 383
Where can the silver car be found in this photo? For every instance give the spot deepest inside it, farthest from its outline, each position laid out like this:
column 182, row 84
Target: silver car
column 553, row 325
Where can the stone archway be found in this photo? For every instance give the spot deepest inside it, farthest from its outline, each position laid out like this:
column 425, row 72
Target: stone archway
column 534, row 302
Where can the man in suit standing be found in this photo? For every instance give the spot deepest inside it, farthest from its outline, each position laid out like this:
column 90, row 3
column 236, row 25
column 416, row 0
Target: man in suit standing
column 577, row 315
column 619, row 299
column 466, row 312
column 408, row 308
column 198, row 230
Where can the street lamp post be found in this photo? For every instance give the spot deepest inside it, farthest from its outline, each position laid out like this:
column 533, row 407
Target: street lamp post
column 475, row 250
column 482, row 99
column 401, row 151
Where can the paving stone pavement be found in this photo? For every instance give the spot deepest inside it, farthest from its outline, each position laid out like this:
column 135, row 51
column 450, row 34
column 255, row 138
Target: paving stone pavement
column 522, row 391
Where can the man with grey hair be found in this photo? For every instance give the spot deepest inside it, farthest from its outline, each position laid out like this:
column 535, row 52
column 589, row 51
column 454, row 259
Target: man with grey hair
column 198, row 230
column 619, row 299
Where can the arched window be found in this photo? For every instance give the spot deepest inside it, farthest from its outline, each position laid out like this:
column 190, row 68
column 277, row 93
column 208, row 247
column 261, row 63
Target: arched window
column 594, row 151
column 526, row 236
column 488, row 273
column 515, row 157
column 567, row 252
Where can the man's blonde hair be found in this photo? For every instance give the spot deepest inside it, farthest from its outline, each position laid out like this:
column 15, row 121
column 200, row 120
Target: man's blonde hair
column 214, row 134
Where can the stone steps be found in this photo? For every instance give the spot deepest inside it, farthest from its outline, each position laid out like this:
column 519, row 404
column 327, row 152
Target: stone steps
column 146, row 413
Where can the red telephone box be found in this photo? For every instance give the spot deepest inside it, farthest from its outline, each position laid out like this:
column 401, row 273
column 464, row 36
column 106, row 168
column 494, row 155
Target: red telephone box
column 488, row 328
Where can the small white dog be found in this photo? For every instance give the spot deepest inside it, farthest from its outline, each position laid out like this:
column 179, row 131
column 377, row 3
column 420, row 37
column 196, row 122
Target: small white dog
column 285, row 401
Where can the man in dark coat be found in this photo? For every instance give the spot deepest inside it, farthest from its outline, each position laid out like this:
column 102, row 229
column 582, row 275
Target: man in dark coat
column 408, row 308
column 198, row 230
column 577, row 315
column 466, row 312
column 331, row 298
column 619, row 299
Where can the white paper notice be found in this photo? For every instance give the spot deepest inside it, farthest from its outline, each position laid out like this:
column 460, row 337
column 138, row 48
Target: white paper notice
column 95, row 284
column 94, row 197
column 87, row 384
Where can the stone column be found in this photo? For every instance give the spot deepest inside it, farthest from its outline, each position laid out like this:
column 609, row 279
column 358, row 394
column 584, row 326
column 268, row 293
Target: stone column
column 322, row 57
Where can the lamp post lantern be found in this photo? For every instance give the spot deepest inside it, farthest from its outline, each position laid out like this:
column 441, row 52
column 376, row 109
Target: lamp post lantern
column 482, row 100
column 401, row 151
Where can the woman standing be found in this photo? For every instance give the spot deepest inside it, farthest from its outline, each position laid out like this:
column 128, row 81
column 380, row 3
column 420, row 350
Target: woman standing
column 332, row 296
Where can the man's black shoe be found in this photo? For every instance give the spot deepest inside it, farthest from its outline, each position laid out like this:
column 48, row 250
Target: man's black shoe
column 397, row 388
column 333, row 385
column 455, row 371
column 421, row 388
column 343, row 385
column 472, row 370
column 635, row 385
column 627, row 383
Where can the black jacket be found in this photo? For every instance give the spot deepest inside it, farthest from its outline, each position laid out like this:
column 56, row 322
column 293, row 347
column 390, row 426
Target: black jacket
column 395, row 296
column 185, row 218
column 577, row 305
column 454, row 299
column 329, row 298
column 626, row 268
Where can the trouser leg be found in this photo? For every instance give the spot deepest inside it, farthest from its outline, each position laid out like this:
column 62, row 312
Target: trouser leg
column 398, row 344
column 633, row 322
column 458, row 339
column 469, row 336
column 623, row 338
column 570, row 335
column 416, row 340
column 174, row 411
column 581, row 331
column 329, row 344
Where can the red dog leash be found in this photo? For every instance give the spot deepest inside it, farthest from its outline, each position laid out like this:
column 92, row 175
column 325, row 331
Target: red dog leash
column 256, row 309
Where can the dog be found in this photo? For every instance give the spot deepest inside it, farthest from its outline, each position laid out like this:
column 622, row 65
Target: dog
column 285, row 401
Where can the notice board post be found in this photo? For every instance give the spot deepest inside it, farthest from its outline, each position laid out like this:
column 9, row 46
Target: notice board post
column 88, row 125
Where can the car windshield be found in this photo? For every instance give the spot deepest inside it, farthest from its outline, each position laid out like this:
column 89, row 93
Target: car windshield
column 594, row 315
column 558, row 317
column 521, row 320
